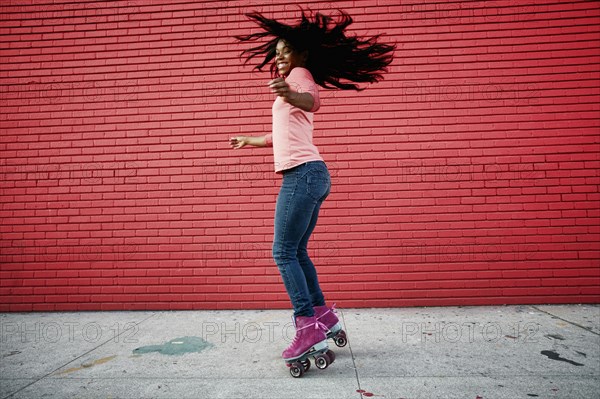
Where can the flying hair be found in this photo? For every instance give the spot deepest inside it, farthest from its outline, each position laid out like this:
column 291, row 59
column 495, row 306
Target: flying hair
column 335, row 59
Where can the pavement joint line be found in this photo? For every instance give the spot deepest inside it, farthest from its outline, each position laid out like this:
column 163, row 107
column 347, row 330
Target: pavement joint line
column 352, row 356
column 71, row 361
column 566, row 321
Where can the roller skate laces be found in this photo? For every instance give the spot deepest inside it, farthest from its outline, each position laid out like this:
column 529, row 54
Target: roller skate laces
column 334, row 327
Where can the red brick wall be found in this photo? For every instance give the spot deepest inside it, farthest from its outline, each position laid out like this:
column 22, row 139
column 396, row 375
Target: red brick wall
column 468, row 177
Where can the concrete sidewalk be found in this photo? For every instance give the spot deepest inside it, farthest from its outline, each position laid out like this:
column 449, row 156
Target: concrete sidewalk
column 545, row 351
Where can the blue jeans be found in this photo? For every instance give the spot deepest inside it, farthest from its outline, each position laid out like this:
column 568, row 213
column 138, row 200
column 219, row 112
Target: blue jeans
column 303, row 190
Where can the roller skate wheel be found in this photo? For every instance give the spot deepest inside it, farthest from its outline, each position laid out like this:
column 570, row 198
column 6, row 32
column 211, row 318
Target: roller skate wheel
column 322, row 361
column 340, row 340
column 296, row 370
column 331, row 355
column 305, row 365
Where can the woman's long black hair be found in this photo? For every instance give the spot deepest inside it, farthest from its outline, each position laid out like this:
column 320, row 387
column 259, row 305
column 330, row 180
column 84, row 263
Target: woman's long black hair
column 332, row 56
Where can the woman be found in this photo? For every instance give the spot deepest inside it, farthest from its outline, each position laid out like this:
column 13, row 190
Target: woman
column 314, row 52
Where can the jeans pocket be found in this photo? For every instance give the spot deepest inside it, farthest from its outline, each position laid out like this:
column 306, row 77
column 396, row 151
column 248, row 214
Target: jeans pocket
column 318, row 184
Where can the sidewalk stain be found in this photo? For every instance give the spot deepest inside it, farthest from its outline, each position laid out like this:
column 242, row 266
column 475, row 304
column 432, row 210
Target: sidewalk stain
column 555, row 356
column 87, row 365
column 177, row 346
column 362, row 392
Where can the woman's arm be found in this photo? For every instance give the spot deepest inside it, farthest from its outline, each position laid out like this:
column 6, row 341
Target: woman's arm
column 305, row 101
column 241, row 141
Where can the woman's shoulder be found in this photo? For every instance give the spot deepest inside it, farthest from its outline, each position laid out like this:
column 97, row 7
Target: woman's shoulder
column 301, row 72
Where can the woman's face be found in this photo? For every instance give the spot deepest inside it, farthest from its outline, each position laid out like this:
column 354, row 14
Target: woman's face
column 286, row 58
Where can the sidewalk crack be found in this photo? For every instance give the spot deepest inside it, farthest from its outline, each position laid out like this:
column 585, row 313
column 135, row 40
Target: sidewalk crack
column 566, row 321
column 352, row 356
column 77, row 358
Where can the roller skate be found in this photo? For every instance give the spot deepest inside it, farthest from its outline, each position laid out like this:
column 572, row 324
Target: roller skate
column 310, row 341
column 328, row 317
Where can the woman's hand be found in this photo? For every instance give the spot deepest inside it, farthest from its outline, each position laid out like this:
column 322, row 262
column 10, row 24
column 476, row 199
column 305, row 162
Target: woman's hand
column 280, row 87
column 238, row 142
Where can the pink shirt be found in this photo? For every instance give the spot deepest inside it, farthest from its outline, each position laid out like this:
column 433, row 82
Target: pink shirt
column 292, row 133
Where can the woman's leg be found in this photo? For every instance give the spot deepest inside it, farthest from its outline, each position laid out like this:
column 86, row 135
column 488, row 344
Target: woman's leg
column 302, row 192
column 310, row 272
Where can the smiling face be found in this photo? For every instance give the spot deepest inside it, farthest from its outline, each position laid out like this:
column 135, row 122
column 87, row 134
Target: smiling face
column 286, row 58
